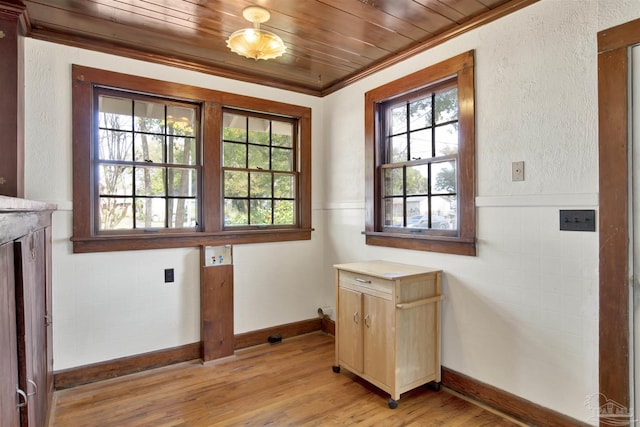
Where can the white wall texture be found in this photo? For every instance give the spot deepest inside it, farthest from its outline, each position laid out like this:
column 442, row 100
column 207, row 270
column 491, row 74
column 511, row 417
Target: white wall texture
column 110, row 305
column 521, row 316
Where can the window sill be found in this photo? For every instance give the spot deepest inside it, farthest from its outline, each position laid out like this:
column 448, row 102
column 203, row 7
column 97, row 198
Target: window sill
column 82, row 244
column 442, row 244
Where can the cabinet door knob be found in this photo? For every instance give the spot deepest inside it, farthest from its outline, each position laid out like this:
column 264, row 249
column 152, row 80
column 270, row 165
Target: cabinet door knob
column 25, row 399
column 47, row 320
column 356, row 318
column 367, row 321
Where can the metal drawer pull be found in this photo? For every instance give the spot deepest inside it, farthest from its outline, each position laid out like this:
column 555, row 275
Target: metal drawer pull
column 35, row 386
column 367, row 321
column 358, row 279
column 355, row 318
column 24, row 396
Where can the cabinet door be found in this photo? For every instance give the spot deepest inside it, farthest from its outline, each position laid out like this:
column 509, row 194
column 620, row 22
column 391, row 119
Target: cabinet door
column 9, row 415
column 31, row 325
column 378, row 338
column 350, row 328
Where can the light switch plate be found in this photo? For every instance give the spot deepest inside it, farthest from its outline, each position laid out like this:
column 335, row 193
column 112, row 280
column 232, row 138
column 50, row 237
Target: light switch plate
column 578, row 220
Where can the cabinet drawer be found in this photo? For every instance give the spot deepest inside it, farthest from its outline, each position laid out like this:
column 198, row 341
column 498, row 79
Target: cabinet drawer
column 365, row 283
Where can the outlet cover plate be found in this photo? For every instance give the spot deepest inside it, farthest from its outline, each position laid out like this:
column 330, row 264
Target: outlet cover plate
column 517, row 171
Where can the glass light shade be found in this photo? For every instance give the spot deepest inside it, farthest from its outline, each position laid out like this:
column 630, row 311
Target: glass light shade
column 256, row 44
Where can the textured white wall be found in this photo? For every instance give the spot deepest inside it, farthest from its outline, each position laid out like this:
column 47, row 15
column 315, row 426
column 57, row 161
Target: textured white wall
column 109, row 305
column 523, row 314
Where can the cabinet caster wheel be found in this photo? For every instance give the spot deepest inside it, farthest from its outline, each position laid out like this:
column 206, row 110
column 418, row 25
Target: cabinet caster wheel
column 393, row 404
column 336, row 369
column 435, row 386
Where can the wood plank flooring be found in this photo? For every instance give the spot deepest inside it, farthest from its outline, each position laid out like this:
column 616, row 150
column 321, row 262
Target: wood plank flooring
column 286, row 384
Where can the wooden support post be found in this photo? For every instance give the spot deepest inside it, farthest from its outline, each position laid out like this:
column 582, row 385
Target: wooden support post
column 216, row 310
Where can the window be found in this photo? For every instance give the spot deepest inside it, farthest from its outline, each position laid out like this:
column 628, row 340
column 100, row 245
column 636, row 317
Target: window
column 259, row 170
column 147, row 162
column 160, row 165
column 420, row 149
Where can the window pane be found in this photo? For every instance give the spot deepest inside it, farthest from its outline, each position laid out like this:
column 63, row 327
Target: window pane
column 447, row 139
column 236, row 184
column 150, row 212
column 116, row 180
column 393, row 212
column 236, row 212
column 418, row 179
column 115, row 145
column 258, row 157
column 420, row 144
column 283, row 186
column 438, row 222
column 398, row 148
column 444, row 210
column 182, row 182
column 116, row 213
column 282, row 134
column 281, row 159
column 443, row 178
column 183, row 213
column 417, row 207
column 420, row 114
column 393, row 182
column 260, row 185
column 283, row 212
column 115, row 113
column 259, row 131
column 149, row 117
column 260, row 211
column 446, row 108
column 398, row 120
column 234, row 127
column 181, row 151
column 149, row 148
column 150, row 181
column 181, row 121
column 235, row 155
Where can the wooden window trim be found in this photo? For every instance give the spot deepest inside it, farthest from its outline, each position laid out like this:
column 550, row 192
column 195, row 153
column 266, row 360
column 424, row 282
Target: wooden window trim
column 211, row 233
column 462, row 67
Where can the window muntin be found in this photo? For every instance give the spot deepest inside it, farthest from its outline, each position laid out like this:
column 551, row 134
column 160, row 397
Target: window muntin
column 259, row 167
column 147, row 161
column 420, row 146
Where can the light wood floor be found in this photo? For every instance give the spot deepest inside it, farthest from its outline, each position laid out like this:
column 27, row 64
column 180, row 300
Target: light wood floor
column 286, row 384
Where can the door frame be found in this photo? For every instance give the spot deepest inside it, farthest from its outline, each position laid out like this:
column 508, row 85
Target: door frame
column 614, row 221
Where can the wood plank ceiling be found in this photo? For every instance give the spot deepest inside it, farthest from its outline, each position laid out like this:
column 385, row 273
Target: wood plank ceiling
column 330, row 43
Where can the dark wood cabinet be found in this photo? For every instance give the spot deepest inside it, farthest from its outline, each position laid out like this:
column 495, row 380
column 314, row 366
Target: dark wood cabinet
column 26, row 358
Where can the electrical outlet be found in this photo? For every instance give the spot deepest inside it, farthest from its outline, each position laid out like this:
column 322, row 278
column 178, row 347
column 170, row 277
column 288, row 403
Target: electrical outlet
column 517, row 171
column 168, row 275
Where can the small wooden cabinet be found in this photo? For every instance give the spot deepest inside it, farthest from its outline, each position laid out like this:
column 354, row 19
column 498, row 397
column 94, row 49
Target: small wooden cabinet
column 388, row 324
column 26, row 358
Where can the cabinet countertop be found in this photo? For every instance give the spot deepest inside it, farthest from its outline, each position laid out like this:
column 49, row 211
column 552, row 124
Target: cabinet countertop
column 385, row 269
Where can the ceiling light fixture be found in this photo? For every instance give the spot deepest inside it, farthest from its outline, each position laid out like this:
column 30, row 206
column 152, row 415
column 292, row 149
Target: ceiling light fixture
column 253, row 42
